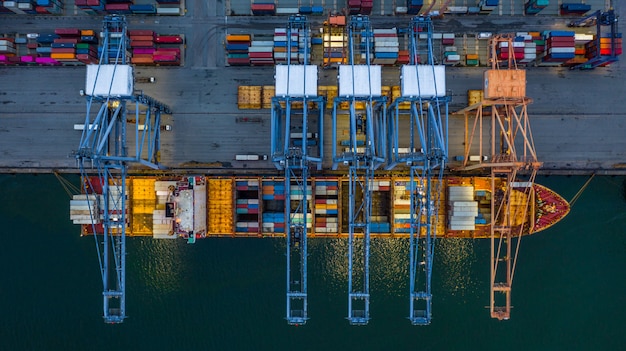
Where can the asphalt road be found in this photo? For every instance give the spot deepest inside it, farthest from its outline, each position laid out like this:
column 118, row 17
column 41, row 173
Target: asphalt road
column 576, row 117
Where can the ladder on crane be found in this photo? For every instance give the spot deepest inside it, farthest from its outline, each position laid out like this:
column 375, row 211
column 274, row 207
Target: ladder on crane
column 512, row 152
column 426, row 121
column 360, row 88
column 104, row 146
column 292, row 114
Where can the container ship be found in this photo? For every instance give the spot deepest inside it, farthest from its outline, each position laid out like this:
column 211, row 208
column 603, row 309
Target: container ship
column 196, row 207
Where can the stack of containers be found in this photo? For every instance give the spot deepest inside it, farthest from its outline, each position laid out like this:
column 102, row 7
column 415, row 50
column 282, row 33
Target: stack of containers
column 413, row 7
column 568, row 9
column 471, row 60
column 49, row 7
column 486, row 6
column 237, row 48
column 296, row 196
column 326, row 206
column 44, row 50
column 168, row 7
column 64, row 47
column 114, row 40
column 265, row 8
column 462, row 209
column 560, row 45
column 168, row 49
column 142, row 45
column 386, row 46
column 403, row 57
column 273, row 206
column 381, row 190
column 451, row 57
column 401, row 207
column 247, row 206
column 540, row 43
column 605, row 44
column 118, row 7
column 87, row 49
column 447, row 39
column 280, row 45
column 220, row 206
column 354, row 7
column 518, row 49
column 91, row 7
column 21, row 7
column 261, row 53
column 580, row 50
column 7, row 49
column 304, row 48
column 335, row 42
column 529, row 48
column 533, row 7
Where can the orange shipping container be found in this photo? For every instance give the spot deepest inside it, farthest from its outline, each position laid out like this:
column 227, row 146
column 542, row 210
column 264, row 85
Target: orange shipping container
column 87, row 32
column 238, row 37
column 142, row 60
column 63, row 56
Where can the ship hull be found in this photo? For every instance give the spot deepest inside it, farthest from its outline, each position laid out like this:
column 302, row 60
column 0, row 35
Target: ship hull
column 255, row 207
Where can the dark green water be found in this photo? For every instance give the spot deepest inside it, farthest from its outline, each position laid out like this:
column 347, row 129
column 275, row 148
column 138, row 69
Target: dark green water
column 228, row 294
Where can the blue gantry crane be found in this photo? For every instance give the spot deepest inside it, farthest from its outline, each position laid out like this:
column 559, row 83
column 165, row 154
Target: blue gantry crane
column 360, row 89
column 103, row 147
column 425, row 123
column 599, row 18
column 296, row 148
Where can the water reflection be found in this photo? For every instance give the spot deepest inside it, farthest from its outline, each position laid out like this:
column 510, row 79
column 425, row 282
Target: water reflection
column 160, row 263
column 454, row 263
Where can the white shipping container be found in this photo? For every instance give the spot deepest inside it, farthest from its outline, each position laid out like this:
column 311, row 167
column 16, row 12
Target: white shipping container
column 457, row 9
column 287, row 11
column 564, row 50
column 402, row 10
column 168, row 11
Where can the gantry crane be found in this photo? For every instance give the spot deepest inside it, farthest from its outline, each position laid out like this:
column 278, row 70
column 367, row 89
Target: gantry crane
column 426, row 123
column 360, row 89
column 599, row 19
column 103, row 146
column 506, row 134
column 294, row 149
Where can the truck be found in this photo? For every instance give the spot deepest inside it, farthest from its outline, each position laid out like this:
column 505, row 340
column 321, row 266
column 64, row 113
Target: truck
column 145, row 80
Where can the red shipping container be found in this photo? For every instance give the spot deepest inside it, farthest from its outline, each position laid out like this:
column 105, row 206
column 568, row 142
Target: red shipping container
column 41, row 9
column 141, row 32
column 93, row 2
column 62, row 50
column 117, row 7
column 67, row 32
column 169, row 39
column 66, row 40
column 144, row 44
column 142, row 37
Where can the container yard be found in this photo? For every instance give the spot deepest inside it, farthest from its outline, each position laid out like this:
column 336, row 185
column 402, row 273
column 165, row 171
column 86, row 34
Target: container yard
column 363, row 142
